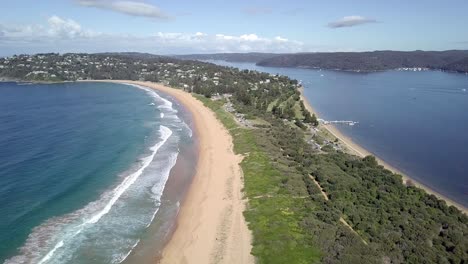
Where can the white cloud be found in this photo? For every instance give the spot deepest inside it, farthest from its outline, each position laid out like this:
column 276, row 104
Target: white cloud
column 67, row 28
column 56, row 29
column 249, row 37
column 131, row 8
column 202, row 42
column 351, row 21
column 66, row 35
column 222, row 36
column 279, row 38
column 199, row 34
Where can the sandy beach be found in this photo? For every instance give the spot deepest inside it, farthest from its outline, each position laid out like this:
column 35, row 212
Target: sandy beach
column 360, row 151
column 210, row 225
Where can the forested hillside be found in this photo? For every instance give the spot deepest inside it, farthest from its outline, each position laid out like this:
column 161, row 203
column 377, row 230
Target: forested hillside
column 234, row 57
column 452, row 60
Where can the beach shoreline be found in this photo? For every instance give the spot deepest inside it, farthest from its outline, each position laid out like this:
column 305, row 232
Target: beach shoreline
column 356, row 149
column 210, row 226
column 159, row 232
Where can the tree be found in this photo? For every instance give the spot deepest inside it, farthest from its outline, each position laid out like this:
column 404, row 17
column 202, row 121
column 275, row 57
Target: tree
column 299, row 124
column 311, row 119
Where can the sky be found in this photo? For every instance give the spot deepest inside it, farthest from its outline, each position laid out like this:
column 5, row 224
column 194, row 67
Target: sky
column 214, row 26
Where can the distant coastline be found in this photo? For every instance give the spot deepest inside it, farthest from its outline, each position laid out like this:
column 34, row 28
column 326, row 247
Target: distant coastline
column 364, row 62
column 358, row 150
column 6, row 79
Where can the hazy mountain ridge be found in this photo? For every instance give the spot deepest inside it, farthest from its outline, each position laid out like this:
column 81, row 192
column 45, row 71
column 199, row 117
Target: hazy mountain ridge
column 232, row 57
column 458, row 66
column 452, row 60
column 135, row 55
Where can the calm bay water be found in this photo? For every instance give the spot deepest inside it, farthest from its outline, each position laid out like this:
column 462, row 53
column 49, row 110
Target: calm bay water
column 83, row 167
column 416, row 121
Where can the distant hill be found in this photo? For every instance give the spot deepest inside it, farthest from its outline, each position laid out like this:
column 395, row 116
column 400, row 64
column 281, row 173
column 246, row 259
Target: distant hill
column 451, row 60
column 232, row 57
column 134, row 55
column 458, row 66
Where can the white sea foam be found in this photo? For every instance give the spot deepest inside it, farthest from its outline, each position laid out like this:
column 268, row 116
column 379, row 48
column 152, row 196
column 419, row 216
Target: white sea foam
column 51, row 253
column 166, row 105
column 158, row 188
column 32, row 248
column 124, row 257
column 64, row 235
column 190, row 132
column 165, row 134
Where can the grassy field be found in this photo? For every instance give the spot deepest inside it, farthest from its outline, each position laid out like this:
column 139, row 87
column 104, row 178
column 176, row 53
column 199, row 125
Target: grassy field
column 274, row 214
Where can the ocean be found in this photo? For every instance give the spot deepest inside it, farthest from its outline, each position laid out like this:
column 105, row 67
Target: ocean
column 83, row 170
column 415, row 121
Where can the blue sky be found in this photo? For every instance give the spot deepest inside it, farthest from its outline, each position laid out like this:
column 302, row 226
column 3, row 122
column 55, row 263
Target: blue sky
column 170, row 27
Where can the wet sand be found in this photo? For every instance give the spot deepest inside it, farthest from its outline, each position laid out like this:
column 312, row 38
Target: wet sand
column 210, row 226
column 161, row 229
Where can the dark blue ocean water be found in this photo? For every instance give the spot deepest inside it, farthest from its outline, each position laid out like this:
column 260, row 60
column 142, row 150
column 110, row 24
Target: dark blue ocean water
column 78, row 162
column 415, row 121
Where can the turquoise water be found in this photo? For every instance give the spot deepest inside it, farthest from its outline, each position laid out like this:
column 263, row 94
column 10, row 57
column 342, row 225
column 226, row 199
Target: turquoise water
column 415, row 121
column 82, row 169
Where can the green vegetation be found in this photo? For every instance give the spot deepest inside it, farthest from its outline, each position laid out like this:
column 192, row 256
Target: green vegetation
column 308, row 202
column 449, row 60
column 292, row 222
column 401, row 224
column 274, row 213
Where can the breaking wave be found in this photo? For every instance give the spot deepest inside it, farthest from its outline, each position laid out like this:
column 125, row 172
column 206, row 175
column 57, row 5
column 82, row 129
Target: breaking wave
column 108, row 229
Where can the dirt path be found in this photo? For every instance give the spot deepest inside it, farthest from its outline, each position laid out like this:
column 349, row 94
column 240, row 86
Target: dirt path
column 342, row 220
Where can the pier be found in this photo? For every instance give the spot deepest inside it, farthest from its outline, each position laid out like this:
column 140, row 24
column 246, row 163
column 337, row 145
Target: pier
column 347, row 122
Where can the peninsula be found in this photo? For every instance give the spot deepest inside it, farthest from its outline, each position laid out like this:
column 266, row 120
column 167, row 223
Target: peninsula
column 306, row 201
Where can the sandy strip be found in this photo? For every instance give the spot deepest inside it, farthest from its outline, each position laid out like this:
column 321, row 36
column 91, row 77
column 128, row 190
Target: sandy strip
column 360, row 151
column 210, row 226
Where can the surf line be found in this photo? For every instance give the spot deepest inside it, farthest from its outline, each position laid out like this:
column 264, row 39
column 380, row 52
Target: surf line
column 118, row 191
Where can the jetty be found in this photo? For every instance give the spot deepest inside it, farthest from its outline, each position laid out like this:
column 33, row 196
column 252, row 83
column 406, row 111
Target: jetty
column 346, row 122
